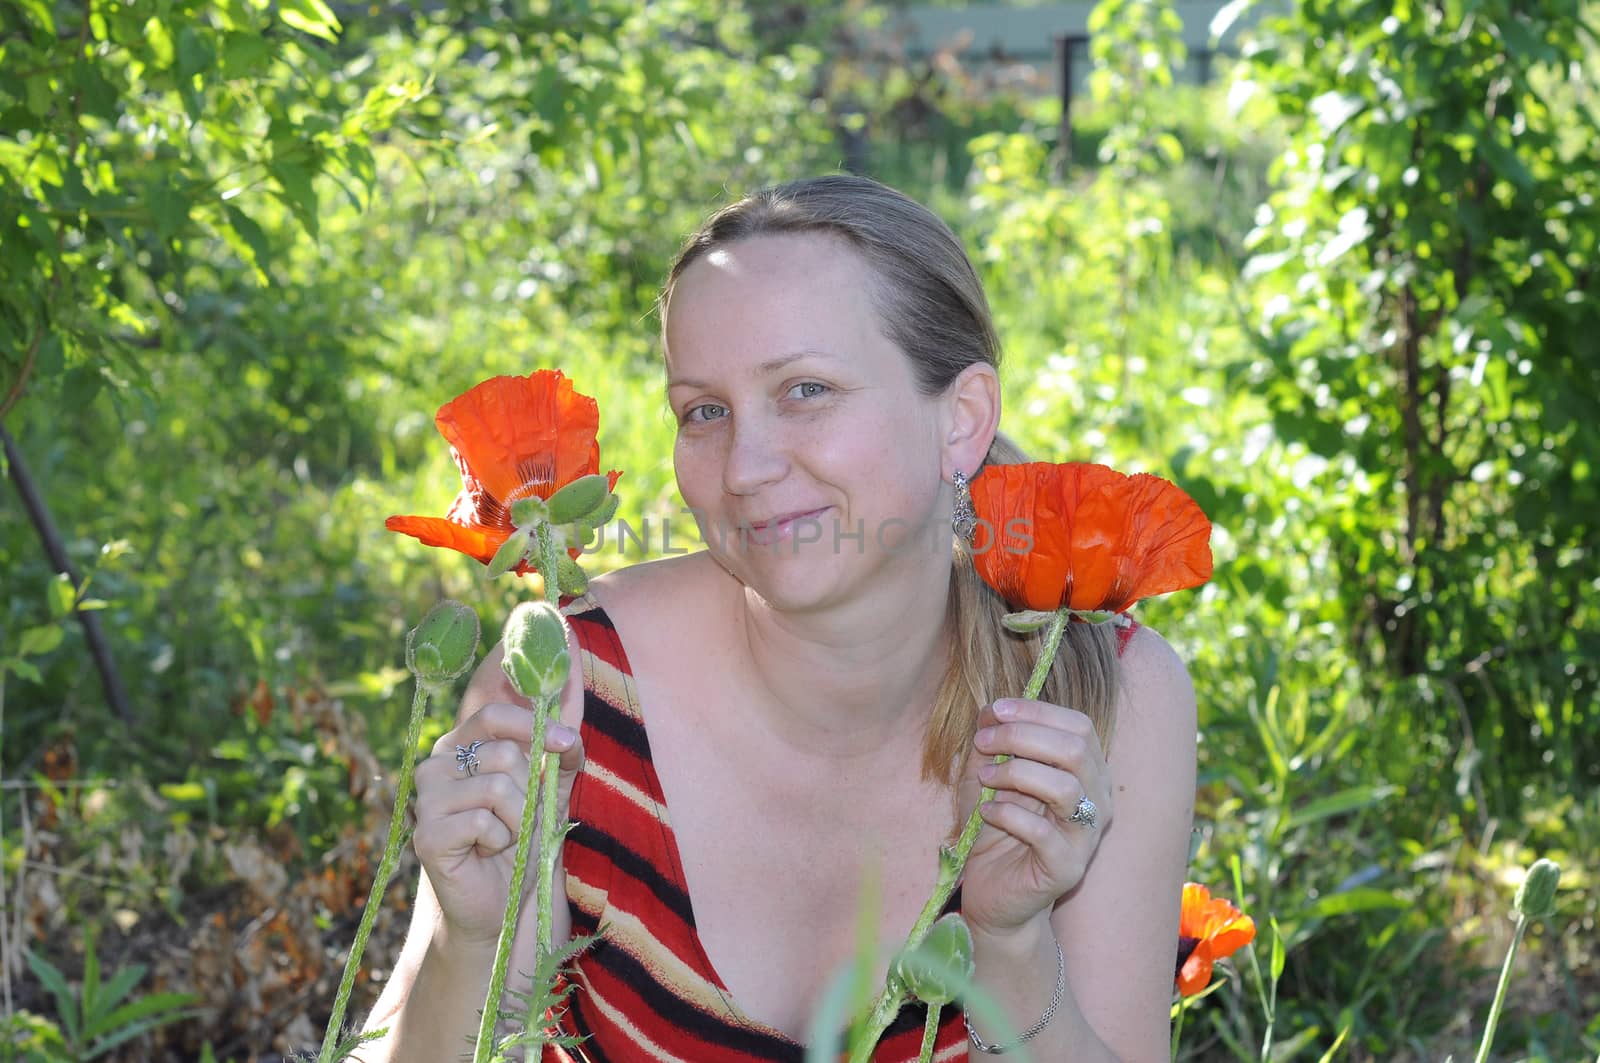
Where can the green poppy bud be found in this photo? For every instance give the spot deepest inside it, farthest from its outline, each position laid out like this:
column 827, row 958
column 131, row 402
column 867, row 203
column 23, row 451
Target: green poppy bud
column 941, row 968
column 570, row 577
column 597, row 517
column 536, row 659
column 1027, row 621
column 511, row 552
column 526, row 511
column 1536, row 897
column 444, row 645
column 579, row 498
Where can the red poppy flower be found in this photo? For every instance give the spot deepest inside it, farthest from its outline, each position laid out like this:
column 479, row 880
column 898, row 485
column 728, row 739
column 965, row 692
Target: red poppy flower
column 1085, row 536
column 513, row 437
column 1208, row 930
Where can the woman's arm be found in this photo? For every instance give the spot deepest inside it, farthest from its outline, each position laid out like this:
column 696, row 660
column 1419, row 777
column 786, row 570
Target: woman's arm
column 1118, row 930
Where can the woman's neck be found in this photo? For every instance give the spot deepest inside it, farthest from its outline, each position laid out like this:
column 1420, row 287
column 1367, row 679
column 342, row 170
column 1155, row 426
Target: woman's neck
column 851, row 681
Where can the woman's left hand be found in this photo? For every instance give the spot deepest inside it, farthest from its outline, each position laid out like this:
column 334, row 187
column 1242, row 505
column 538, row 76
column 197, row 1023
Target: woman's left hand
column 1031, row 851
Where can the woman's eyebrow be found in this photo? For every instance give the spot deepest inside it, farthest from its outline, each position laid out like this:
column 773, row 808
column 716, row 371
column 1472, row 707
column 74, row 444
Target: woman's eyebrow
column 771, row 365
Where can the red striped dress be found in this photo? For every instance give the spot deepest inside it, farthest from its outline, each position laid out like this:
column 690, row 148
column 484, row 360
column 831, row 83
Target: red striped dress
column 646, row 990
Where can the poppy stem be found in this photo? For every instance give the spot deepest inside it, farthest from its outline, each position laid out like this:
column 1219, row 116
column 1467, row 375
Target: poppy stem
column 508, row 924
column 380, row 883
column 1500, row 991
column 930, row 1034
column 550, row 834
column 1177, row 1027
column 952, row 861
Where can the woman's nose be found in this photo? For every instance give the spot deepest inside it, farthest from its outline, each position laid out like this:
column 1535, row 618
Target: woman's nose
column 756, row 457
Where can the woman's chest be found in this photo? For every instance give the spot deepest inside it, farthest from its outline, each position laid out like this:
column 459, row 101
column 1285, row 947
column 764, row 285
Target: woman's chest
column 781, row 865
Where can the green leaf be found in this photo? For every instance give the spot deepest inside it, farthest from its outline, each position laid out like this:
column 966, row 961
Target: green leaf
column 298, row 193
column 22, row 669
column 40, row 640
column 1350, row 800
column 143, row 1014
column 61, row 596
column 41, row 12
column 310, row 16
column 1357, row 900
column 195, row 54
column 255, row 240
column 106, row 1000
column 56, row 982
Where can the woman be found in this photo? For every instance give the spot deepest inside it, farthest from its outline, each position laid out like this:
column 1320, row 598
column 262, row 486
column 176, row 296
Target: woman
column 820, row 687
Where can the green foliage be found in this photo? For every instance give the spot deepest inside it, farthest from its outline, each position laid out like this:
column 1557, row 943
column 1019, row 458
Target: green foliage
column 99, row 1016
column 1424, row 314
column 246, row 251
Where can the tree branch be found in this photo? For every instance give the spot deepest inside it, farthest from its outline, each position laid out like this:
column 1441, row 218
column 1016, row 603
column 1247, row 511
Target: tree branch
column 34, row 503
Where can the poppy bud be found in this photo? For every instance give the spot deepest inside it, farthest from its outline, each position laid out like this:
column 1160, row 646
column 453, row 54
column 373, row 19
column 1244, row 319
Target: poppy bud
column 1027, row 621
column 570, row 577
column 1536, row 897
column 510, row 553
column 444, row 645
column 579, row 498
column 536, row 659
column 597, row 517
column 941, row 968
column 526, row 511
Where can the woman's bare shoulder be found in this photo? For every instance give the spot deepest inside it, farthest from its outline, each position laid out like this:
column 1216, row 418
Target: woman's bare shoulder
column 675, row 588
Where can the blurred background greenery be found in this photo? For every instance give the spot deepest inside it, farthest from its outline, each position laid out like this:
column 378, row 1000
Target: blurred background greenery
column 1339, row 284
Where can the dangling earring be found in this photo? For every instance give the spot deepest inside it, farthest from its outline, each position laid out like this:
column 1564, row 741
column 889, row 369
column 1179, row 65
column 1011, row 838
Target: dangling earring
column 964, row 519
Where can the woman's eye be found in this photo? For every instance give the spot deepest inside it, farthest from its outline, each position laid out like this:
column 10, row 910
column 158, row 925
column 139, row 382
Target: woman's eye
column 706, row 411
column 809, row 390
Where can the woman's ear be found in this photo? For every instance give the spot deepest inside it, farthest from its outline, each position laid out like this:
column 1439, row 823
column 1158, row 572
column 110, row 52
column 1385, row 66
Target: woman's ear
column 972, row 416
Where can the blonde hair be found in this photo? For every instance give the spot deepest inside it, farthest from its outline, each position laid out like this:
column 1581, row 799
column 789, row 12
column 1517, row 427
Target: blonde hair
column 932, row 306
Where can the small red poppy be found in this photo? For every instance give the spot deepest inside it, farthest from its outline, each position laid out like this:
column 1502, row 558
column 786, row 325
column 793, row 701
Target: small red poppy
column 1208, row 930
column 512, row 438
column 1084, row 536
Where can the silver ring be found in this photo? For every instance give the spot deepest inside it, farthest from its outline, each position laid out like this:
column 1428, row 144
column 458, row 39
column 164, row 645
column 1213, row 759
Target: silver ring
column 1085, row 813
column 467, row 758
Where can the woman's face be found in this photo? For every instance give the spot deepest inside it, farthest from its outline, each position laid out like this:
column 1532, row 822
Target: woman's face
column 811, row 461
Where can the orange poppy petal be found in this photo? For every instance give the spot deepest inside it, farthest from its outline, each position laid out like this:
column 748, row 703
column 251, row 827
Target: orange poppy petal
column 1196, row 973
column 1159, row 539
column 1196, row 898
column 1234, row 937
column 477, row 542
column 523, row 432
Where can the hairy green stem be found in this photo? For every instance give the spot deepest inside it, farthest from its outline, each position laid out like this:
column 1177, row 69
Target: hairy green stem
column 951, row 863
column 550, row 833
column 1500, row 992
column 1177, row 1027
column 930, row 1034
column 380, row 883
column 508, row 924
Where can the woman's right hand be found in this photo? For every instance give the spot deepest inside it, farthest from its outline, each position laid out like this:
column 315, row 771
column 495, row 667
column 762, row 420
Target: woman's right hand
column 467, row 825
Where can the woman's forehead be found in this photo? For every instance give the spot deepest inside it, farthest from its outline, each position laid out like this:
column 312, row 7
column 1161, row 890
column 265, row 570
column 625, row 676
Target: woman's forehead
column 795, row 290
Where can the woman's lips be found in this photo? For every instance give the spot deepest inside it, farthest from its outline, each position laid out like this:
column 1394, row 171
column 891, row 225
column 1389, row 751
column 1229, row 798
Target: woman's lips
column 777, row 529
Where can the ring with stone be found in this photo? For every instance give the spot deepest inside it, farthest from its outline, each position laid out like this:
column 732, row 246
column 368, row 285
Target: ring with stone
column 1085, row 813
column 467, row 758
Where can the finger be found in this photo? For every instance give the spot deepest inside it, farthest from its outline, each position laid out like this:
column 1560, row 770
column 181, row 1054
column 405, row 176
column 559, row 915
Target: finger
column 1047, row 745
column 1026, row 710
column 499, row 793
column 559, row 738
column 1053, row 788
column 1031, row 804
column 502, row 755
column 496, row 720
column 1032, row 829
column 473, row 830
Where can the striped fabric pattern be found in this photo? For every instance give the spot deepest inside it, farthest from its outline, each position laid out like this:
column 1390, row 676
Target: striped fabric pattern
column 646, row 990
